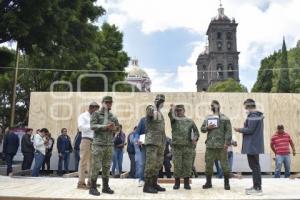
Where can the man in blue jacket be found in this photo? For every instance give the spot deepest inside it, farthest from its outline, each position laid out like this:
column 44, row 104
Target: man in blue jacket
column 253, row 143
column 64, row 148
column 10, row 148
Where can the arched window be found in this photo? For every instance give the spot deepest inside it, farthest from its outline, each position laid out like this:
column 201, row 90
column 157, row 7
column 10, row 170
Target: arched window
column 220, row 73
column 230, row 71
column 203, row 72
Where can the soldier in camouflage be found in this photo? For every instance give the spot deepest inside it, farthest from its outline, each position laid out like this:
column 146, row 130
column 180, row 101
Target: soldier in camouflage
column 219, row 133
column 155, row 140
column 104, row 124
column 185, row 134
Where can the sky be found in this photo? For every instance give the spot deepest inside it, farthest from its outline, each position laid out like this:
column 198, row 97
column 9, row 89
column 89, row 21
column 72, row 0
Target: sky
column 166, row 36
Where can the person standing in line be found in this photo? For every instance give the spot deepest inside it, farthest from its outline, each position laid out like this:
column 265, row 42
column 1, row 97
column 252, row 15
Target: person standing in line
column 131, row 153
column 48, row 155
column 77, row 142
column 10, row 148
column 39, row 142
column 253, row 143
column 27, row 149
column 64, row 147
column 119, row 143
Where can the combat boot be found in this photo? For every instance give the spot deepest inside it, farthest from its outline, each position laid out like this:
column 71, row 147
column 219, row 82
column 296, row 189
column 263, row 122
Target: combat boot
column 156, row 186
column 177, row 184
column 106, row 189
column 207, row 185
column 93, row 189
column 226, row 183
column 148, row 187
column 187, row 183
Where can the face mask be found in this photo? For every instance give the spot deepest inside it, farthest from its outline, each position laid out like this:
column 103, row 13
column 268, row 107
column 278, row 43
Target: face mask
column 247, row 112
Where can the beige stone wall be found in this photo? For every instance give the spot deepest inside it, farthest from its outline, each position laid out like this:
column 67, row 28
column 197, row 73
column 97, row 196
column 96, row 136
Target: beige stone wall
column 57, row 110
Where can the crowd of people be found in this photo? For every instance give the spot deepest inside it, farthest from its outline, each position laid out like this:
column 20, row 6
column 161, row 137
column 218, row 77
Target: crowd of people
column 100, row 143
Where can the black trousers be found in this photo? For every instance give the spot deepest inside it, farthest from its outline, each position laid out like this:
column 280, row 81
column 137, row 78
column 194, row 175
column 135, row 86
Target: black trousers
column 254, row 165
column 9, row 161
column 168, row 166
column 46, row 162
column 132, row 165
column 27, row 160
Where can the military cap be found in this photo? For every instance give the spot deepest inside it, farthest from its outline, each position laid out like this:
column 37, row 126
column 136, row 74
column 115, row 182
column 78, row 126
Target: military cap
column 160, row 97
column 179, row 106
column 107, row 99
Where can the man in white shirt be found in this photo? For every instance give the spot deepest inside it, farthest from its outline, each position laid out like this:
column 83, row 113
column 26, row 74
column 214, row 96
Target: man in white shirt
column 39, row 143
column 85, row 146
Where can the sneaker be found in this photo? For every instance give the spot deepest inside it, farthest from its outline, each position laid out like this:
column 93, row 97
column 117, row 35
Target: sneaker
column 141, row 183
column 253, row 191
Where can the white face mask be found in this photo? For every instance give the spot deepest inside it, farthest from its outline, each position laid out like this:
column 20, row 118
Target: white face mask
column 247, row 112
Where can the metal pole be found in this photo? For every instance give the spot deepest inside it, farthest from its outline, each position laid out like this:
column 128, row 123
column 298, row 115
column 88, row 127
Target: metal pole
column 15, row 80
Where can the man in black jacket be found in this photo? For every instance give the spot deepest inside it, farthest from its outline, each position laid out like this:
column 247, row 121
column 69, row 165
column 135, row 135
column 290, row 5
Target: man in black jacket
column 27, row 149
column 10, row 148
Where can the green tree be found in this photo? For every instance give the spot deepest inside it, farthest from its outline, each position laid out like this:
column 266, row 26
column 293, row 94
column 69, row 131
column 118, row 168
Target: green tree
column 284, row 79
column 229, row 85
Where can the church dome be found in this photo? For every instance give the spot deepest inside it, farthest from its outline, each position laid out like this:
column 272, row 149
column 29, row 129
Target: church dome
column 221, row 17
column 135, row 71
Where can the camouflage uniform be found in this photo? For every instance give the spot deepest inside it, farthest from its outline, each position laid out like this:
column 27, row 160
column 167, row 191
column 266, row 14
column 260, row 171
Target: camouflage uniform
column 102, row 146
column 155, row 141
column 182, row 147
column 216, row 139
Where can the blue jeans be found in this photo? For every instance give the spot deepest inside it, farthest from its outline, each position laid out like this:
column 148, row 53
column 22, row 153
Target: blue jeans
column 219, row 169
column 77, row 158
column 286, row 160
column 140, row 160
column 65, row 158
column 117, row 160
column 38, row 162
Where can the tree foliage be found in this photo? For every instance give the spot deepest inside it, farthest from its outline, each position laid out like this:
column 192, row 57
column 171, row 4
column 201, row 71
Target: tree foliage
column 280, row 72
column 229, row 85
column 58, row 42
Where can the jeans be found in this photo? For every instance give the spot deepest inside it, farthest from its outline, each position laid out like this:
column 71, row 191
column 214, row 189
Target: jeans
column 140, row 160
column 27, row 160
column 77, row 158
column 286, row 160
column 117, row 160
column 65, row 158
column 132, row 165
column 253, row 161
column 38, row 162
column 219, row 169
column 9, row 161
column 230, row 160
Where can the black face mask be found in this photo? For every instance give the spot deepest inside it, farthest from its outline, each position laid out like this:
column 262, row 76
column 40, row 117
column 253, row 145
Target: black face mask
column 213, row 109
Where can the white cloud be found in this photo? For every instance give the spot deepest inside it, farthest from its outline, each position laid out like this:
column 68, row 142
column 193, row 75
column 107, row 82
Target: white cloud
column 262, row 24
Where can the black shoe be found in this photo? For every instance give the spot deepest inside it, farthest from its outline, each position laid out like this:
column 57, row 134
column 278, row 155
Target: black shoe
column 158, row 187
column 187, row 183
column 226, row 183
column 148, row 188
column 93, row 189
column 208, row 184
column 106, row 189
column 177, row 184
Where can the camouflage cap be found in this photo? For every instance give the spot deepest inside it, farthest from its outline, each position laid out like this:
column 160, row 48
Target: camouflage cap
column 179, row 106
column 160, row 97
column 107, row 99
